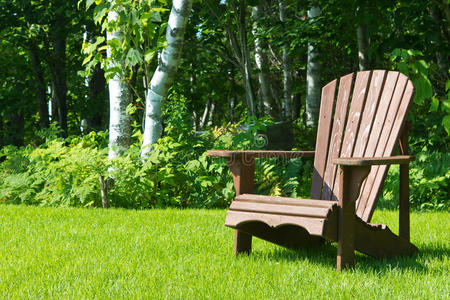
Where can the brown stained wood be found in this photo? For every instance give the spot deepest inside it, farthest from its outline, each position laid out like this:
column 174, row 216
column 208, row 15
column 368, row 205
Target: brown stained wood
column 322, row 140
column 285, row 200
column 369, row 112
column 340, row 118
column 243, row 170
column 251, row 154
column 354, row 117
column 280, row 209
column 380, row 117
column 349, row 179
column 389, row 148
column 375, row 120
column 379, row 148
column 235, row 219
column 378, row 241
column 289, row 236
column 371, row 161
column 403, row 217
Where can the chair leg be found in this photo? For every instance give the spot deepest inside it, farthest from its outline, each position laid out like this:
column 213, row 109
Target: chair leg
column 349, row 183
column 346, row 241
column 242, row 242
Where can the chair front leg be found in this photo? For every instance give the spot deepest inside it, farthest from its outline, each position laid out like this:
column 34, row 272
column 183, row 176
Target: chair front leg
column 243, row 170
column 350, row 179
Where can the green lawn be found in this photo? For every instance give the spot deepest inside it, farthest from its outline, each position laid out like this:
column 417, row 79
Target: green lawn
column 185, row 254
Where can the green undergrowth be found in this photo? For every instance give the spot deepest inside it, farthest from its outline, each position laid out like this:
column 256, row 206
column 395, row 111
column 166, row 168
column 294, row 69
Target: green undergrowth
column 187, row 254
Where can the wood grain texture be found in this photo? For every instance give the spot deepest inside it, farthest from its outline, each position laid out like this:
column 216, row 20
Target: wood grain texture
column 371, row 161
column 354, row 118
column 373, row 182
column 323, row 136
column 337, row 133
column 285, row 200
column 389, row 149
column 280, row 209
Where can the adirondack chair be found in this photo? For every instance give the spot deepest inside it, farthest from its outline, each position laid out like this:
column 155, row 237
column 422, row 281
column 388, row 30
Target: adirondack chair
column 356, row 140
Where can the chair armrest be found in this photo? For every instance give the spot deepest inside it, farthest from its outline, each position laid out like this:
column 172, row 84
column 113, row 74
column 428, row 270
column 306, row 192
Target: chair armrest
column 370, row 161
column 248, row 154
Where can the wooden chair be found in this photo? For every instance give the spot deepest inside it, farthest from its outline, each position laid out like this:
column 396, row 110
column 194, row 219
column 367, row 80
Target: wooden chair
column 355, row 144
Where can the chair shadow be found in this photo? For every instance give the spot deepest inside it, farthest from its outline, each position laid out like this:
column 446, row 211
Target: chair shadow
column 325, row 255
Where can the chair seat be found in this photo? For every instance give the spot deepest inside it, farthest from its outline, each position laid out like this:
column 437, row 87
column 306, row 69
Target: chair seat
column 312, row 215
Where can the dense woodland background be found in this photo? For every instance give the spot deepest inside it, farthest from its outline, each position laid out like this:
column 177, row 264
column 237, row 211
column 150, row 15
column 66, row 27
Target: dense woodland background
column 244, row 65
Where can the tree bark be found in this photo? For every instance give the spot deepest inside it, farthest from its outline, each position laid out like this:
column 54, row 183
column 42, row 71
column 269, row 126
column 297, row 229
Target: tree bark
column 286, row 107
column 58, row 69
column 165, row 72
column 119, row 98
column 262, row 65
column 312, row 79
column 362, row 37
column 40, row 86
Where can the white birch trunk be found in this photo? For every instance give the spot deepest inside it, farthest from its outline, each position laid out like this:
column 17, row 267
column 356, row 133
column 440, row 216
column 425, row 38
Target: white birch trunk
column 261, row 65
column 119, row 98
column 363, row 40
column 164, row 74
column 312, row 79
column 286, row 105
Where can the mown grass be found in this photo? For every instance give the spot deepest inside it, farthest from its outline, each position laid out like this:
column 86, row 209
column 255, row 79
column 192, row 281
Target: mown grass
column 187, row 254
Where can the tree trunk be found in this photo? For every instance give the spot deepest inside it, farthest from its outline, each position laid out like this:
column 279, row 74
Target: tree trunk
column 119, row 98
column 165, row 72
column 262, row 65
column 211, row 114
column 205, row 113
column 246, row 61
column 58, row 70
column 286, row 107
column 363, row 39
column 312, row 79
column 441, row 56
column 39, row 82
column 242, row 54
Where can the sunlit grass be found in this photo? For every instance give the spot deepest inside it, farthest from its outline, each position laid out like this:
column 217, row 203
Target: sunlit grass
column 185, row 254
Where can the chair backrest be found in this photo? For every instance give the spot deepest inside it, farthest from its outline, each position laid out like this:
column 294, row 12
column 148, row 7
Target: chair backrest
column 363, row 121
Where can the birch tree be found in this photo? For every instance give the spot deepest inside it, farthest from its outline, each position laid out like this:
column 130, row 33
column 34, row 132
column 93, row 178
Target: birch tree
column 287, row 91
column 313, row 87
column 163, row 77
column 261, row 65
column 119, row 99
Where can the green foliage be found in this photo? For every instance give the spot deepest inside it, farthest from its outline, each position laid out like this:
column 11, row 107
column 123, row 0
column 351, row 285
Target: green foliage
column 139, row 35
column 429, row 182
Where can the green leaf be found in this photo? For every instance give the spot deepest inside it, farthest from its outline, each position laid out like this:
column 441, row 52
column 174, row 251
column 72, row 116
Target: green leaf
column 446, row 124
column 149, row 55
column 434, row 104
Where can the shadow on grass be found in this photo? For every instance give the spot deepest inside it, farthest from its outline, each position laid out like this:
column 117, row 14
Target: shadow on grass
column 325, row 255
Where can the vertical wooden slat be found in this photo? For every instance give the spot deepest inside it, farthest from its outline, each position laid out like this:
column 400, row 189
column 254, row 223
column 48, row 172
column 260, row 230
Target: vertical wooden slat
column 378, row 143
column 370, row 109
column 354, row 118
column 340, row 117
column 386, row 147
column 380, row 118
column 323, row 137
